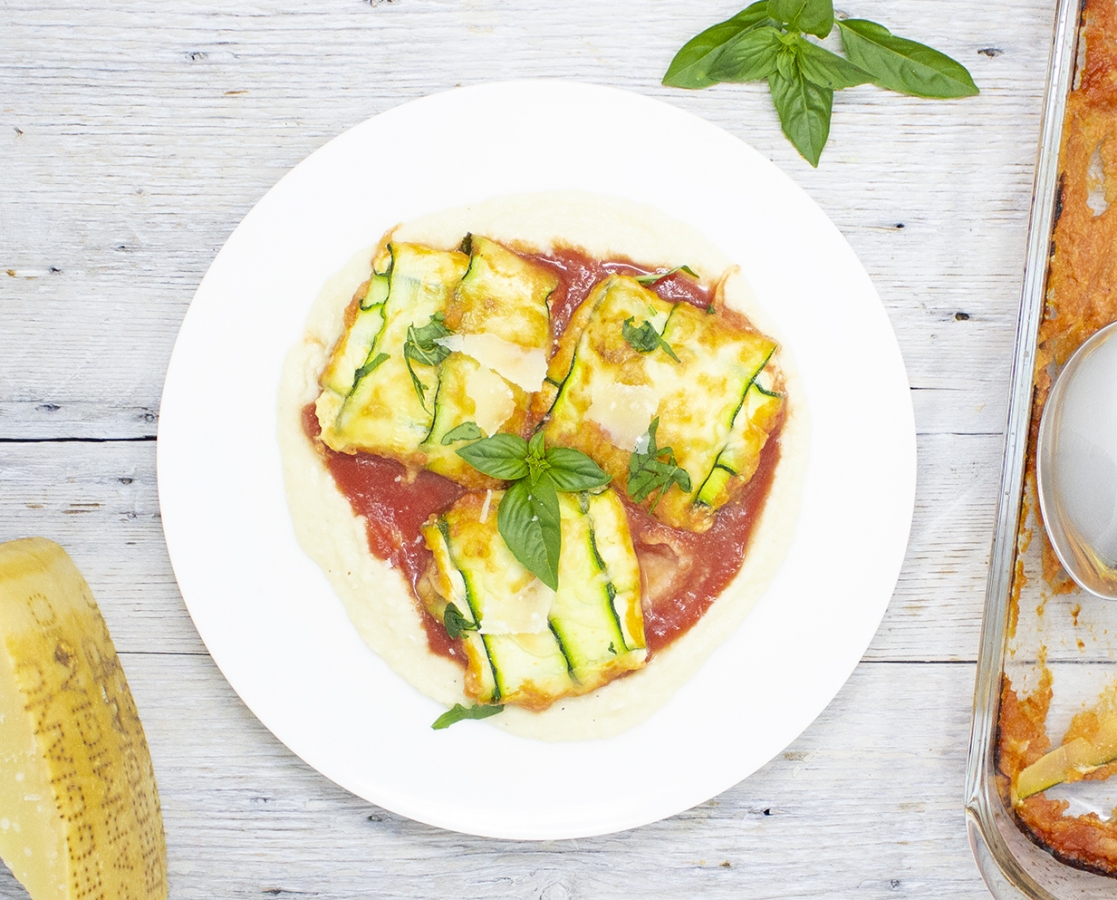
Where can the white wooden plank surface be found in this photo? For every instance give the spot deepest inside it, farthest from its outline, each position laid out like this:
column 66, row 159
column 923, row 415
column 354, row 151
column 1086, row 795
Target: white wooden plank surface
column 133, row 138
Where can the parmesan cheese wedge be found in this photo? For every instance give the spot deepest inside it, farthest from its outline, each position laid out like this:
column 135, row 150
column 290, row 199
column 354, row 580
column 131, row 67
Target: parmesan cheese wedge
column 79, row 810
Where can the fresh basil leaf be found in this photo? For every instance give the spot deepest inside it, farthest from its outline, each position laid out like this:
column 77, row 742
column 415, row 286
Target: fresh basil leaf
column 812, row 16
column 829, row 70
column 455, row 622
column 528, row 520
column 369, row 366
column 459, row 713
column 467, row 431
column 501, row 456
column 748, row 57
column 804, row 109
column 902, row 65
column 572, row 470
column 645, row 339
column 691, row 66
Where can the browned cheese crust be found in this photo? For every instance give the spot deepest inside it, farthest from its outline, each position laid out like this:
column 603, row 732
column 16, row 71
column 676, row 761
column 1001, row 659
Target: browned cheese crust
column 1081, row 299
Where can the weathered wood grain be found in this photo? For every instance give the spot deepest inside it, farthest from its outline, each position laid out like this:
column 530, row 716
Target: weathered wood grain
column 99, row 500
column 865, row 803
column 134, row 138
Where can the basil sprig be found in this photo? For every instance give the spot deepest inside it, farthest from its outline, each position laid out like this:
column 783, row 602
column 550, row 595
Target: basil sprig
column 645, row 339
column 654, row 469
column 766, row 41
column 528, row 515
column 422, row 346
column 458, row 713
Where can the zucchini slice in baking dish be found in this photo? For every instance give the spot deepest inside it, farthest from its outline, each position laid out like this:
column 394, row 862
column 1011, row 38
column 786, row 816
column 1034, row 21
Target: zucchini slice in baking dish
column 524, row 643
column 694, row 380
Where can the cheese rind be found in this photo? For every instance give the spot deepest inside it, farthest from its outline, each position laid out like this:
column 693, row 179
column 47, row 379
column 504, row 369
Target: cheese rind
column 77, row 790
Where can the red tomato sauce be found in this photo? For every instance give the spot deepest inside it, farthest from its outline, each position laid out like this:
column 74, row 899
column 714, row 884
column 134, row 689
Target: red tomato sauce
column 395, row 502
column 695, row 568
column 578, row 274
column 705, row 563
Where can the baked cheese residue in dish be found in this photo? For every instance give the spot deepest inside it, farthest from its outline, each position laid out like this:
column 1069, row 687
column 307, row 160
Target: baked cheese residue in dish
column 641, row 369
column 1081, row 299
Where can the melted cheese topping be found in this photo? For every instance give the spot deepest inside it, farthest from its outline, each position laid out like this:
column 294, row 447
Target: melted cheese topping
column 524, row 612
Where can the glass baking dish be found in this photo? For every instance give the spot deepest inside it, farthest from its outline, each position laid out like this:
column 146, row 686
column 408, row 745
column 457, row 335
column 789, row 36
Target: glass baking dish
column 1029, row 628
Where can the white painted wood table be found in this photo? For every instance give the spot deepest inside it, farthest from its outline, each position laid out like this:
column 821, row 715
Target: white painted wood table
column 135, row 134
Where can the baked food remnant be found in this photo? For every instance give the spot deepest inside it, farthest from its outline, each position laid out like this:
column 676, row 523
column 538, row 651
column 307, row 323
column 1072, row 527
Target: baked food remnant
column 515, row 320
column 1081, row 299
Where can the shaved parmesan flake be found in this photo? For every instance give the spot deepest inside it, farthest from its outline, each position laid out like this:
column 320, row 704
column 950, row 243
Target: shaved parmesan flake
column 525, row 367
column 624, row 411
column 492, row 398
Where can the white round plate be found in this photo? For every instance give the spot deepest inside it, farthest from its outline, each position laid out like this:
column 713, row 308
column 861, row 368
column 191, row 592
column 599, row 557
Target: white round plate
column 271, row 620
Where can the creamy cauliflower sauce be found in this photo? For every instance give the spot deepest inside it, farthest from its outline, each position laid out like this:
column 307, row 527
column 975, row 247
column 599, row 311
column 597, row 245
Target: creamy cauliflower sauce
column 616, row 342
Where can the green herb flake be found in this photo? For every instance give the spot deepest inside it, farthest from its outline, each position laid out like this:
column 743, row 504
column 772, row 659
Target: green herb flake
column 467, row 431
column 456, row 623
column 645, row 338
column 653, row 277
column 459, row 713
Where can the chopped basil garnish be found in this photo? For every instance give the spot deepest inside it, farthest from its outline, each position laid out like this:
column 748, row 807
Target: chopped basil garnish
column 654, row 469
column 467, row 431
column 456, row 623
column 659, row 276
column 422, row 347
column 368, row 367
column 645, row 339
column 459, row 713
